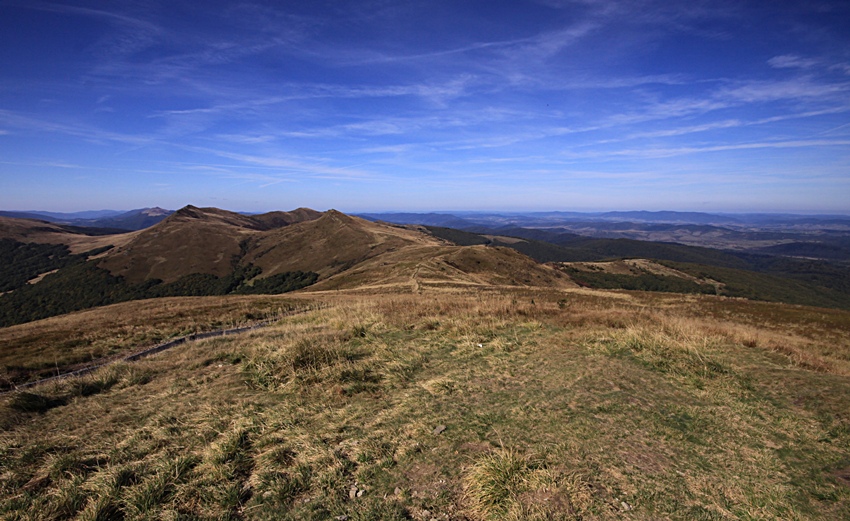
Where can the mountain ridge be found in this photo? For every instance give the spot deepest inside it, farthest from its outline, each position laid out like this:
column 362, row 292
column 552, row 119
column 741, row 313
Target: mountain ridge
column 209, row 251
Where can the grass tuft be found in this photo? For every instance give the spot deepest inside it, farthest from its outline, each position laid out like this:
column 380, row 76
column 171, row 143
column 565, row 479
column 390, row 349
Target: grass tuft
column 34, row 402
column 673, row 349
column 508, row 485
column 147, row 496
column 68, row 499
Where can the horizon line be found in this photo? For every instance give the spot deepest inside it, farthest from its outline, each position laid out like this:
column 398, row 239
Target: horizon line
column 801, row 213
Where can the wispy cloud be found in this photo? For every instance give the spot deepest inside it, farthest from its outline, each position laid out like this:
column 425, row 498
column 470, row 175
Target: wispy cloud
column 726, row 124
column 663, row 152
column 49, row 164
column 87, row 132
column 797, row 91
column 792, row 61
column 293, row 166
column 246, row 139
column 111, row 15
column 544, row 46
column 264, row 93
column 805, row 88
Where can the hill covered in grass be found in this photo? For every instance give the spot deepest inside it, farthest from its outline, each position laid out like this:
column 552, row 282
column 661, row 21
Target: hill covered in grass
column 53, row 269
column 116, row 221
column 207, row 251
column 476, row 403
column 814, row 236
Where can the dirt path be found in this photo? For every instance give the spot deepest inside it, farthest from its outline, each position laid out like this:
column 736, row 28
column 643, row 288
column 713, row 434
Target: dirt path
column 416, row 287
column 148, row 351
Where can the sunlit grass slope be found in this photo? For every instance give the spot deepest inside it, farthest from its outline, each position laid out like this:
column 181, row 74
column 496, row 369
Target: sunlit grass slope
column 485, row 404
column 65, row 343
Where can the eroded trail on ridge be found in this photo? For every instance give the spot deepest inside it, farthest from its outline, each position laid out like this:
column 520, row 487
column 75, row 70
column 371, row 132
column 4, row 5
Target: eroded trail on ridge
column 148, row 351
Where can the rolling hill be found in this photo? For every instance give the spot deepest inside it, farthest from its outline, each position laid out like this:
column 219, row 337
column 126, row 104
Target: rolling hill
column 410, row 377
column 816, row 236
column 77, row 239
column 207, row 251
column 335, row 246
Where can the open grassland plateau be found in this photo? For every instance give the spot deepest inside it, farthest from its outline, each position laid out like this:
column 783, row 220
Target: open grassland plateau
column 478, row 405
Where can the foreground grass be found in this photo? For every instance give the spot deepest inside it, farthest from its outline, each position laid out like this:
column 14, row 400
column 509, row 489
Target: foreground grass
column 60, row 344
column 455, row 406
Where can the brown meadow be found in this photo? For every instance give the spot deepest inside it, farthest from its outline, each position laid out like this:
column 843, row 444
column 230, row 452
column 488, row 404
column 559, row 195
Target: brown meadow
column 491, row 402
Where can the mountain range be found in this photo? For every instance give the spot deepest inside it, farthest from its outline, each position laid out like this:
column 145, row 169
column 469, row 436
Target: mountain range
column 806, row 234
column 208, row 251
column 109, row 220
column 53, row 268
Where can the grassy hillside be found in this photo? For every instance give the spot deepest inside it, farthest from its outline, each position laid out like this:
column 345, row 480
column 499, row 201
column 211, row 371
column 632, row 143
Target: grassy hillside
column 206, row 251
column 499, row 403
column 418, row 380
column 765, row 286
column 575, row 248
column 65, row 343
column 77, row 239
column 677, row 277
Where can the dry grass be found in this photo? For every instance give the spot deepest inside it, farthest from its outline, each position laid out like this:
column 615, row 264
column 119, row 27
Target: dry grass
column 553, row 405
column 59, row 344
column 504, row 484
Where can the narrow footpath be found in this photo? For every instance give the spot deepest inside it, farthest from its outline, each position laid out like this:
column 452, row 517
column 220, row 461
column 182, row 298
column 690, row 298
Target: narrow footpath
column 148, row 351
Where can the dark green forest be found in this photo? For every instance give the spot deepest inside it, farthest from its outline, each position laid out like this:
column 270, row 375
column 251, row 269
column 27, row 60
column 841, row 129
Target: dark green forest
column 20, row 262
column 641, row 282
column 80, row 284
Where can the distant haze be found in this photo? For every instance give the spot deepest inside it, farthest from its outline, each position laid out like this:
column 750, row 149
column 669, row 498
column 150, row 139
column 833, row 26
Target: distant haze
column 536, row 105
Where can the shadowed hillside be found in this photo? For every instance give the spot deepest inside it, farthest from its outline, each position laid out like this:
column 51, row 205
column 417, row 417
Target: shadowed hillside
column 78, row 240
column 812, row 282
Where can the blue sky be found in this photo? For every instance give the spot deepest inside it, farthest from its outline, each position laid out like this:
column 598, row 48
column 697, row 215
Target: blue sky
column 426, row 105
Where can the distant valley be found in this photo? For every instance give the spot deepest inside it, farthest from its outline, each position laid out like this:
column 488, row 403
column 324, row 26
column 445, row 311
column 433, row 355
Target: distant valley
column 813, row 236
column 109, row 221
